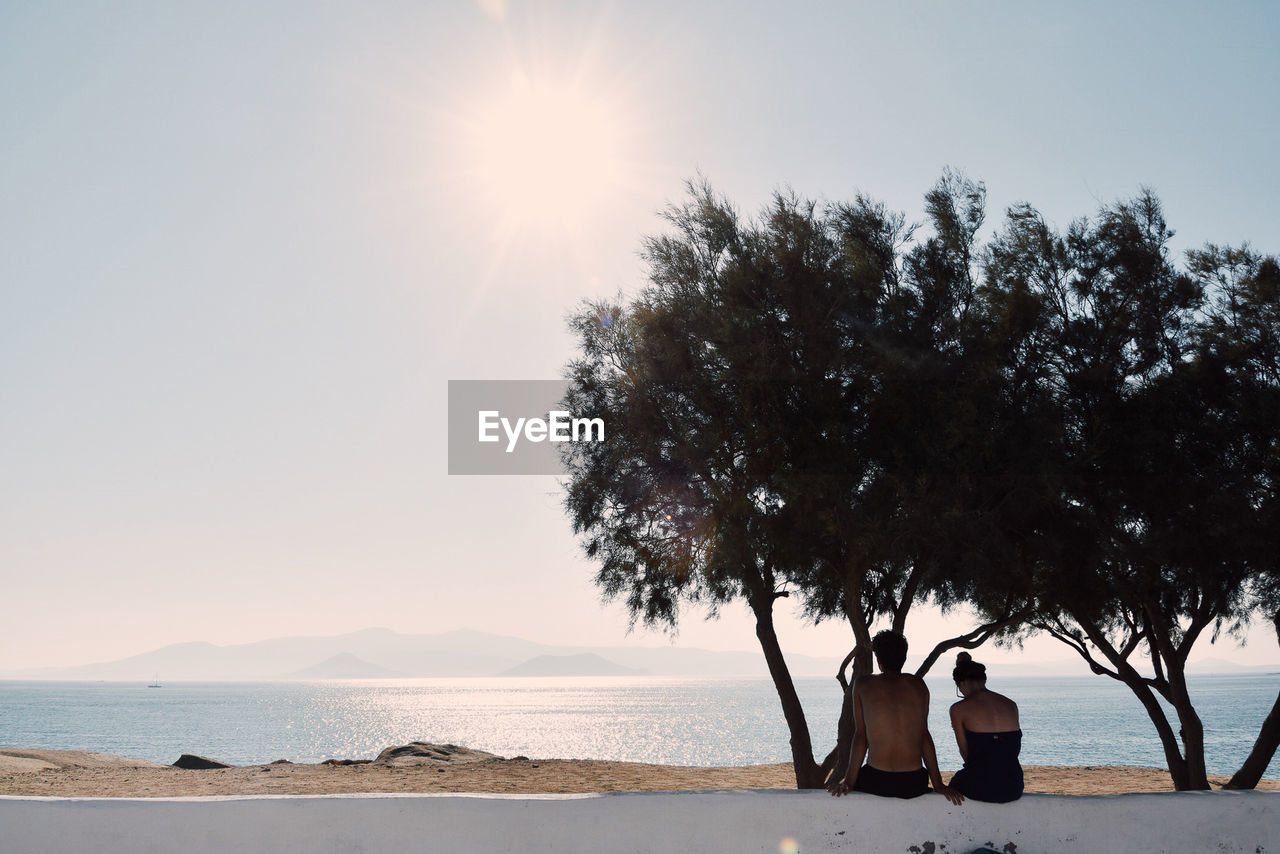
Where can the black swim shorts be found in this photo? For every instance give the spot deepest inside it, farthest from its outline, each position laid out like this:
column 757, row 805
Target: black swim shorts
column 893, row 784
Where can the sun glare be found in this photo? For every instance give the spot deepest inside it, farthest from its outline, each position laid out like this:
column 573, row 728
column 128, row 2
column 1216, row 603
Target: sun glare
column 547, row 155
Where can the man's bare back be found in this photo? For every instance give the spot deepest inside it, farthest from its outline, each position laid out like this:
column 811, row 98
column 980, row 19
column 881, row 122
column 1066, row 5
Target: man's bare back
column 895, row 709
column 891, row 731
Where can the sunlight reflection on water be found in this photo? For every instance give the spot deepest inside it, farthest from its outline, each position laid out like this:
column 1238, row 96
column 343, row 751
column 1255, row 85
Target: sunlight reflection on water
column 678, row 721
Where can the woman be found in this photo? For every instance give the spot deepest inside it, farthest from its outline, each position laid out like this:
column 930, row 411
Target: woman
column 987, row 732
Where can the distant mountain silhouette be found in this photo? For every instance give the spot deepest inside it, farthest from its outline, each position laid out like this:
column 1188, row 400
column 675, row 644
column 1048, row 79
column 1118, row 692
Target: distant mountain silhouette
column 382, row 653
column 344, row 665
column 582, row 664
column 464, row 652
column 1207, row 666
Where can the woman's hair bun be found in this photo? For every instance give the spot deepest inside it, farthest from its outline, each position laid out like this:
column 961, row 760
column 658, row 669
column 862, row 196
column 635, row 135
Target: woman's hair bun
column 967, row 668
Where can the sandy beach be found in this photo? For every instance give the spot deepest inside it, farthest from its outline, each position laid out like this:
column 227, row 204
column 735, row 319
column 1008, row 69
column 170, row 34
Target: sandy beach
column 80, row 774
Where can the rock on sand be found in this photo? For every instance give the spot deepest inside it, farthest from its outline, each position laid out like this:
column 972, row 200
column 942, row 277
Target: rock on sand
column 191, row 762
column 422, row 753
column 14, row 759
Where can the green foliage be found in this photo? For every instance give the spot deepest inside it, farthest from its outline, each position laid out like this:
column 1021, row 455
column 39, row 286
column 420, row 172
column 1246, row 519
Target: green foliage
column 1163, row 462
column 1068, row 432
column 811, row 399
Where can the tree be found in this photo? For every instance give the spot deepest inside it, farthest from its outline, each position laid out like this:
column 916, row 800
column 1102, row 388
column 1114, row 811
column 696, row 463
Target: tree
column 1242, row 343
column 1158, row 530
column 679, row 505
column 1068, row 433
column 758, row 393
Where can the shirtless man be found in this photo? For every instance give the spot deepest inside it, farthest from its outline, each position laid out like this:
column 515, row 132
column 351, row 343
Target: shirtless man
column 891, row 731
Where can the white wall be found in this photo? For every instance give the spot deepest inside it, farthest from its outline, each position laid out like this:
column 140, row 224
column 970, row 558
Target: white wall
column 668, row 822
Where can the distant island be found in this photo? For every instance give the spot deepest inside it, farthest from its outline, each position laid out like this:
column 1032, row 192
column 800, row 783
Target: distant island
column 385, row 654
column 582, row 664
column 344, row 665
column 381, row 653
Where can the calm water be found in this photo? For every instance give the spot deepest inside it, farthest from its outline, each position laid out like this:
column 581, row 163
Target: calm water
column 682, row 721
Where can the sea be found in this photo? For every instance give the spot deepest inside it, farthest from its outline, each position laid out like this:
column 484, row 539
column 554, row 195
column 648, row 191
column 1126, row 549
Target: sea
column 672, row 721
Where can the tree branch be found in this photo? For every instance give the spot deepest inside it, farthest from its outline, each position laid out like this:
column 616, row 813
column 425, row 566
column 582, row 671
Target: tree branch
column 1059, row 632
column 908, row 598
column 973, row 639
column 844, row 682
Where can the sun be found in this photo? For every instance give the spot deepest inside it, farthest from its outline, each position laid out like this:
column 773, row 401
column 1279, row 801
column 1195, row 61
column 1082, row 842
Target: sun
column 547, row 155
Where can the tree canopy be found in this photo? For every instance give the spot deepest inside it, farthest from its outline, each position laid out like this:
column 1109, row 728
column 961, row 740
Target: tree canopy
column 1067, row 433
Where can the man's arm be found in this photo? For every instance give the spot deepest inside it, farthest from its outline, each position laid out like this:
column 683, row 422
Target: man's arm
column 859, row 750
column 930, row 756
column 935, row 776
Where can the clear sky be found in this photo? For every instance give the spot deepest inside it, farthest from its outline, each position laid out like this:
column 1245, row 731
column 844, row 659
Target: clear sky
column 244, row 246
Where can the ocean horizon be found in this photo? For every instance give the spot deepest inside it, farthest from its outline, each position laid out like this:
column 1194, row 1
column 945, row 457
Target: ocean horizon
column 698, row 721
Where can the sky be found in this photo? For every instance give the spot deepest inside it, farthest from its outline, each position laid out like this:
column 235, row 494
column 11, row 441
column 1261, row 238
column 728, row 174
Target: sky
column 244, row 247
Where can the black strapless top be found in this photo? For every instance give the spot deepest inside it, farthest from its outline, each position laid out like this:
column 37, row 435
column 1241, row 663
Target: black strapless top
column 992, row 771
column 993, row 748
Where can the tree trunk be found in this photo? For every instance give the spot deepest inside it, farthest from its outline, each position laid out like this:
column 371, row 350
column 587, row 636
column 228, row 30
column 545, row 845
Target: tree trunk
column 1191, row 727
column 1255, row 765
column 832, row 762
column 1192, row 733
column 836, row 765
column 1178, row 767
column 852, row 604
column 1192, row 744
column 808, row 774
column 844, row 732
column 1172, row 755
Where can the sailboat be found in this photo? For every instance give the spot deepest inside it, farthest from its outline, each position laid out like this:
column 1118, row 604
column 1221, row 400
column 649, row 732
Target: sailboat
column 155, row 683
